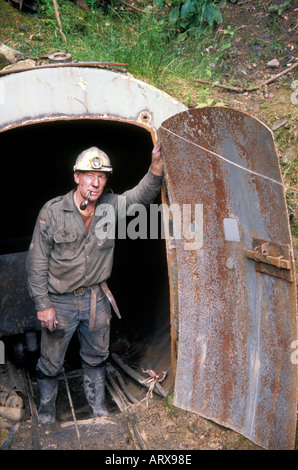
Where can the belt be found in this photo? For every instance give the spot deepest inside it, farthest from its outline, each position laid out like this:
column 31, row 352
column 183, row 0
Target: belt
column 109, row 295
column 82, row 290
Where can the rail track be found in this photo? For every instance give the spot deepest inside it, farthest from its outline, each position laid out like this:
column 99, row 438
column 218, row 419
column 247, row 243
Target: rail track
column 73, row 428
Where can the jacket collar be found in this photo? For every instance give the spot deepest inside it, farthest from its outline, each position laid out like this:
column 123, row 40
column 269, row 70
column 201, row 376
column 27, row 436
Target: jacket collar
column 68, row 202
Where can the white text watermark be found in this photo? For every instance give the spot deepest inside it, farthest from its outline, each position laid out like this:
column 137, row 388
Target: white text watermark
column 175, row 222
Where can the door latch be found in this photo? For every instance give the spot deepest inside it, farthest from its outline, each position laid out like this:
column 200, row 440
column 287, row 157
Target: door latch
column 271, row 258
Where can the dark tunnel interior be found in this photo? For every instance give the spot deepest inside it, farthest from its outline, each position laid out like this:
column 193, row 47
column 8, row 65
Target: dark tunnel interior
column 37, row 165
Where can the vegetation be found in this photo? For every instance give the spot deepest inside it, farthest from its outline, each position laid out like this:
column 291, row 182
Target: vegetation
column 162, row 41
column 154, row 43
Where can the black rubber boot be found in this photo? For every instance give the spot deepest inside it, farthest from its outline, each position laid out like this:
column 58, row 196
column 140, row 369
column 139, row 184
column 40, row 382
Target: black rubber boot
column 48, row 387
column 94, row 386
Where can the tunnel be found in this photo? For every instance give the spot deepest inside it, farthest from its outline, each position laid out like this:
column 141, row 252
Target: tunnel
column 49, row 114
column 39, row 167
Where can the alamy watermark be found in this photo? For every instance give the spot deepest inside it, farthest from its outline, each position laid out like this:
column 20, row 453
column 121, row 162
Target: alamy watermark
column 174, row 222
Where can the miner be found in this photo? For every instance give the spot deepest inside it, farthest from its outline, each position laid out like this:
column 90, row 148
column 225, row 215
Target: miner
column 68, row 266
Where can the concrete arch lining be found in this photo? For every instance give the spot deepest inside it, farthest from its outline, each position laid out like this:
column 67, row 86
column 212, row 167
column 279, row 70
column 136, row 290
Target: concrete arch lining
column 51, row 93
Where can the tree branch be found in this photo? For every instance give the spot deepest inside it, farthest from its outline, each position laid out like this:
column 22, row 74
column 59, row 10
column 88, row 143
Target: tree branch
column 59, row 20
column 254, row 88
column 133, row 7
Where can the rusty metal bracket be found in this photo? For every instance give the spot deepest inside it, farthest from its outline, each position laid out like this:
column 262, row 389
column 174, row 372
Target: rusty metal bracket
column 271, row 258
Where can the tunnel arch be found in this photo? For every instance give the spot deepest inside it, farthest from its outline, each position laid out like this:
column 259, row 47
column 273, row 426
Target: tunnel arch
column 49, row 115
column 73, row 91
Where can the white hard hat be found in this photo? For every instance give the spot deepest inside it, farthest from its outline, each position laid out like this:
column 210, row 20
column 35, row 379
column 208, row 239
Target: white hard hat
column 93, row 159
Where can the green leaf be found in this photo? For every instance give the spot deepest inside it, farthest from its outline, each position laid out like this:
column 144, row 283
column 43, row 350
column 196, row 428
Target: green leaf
column 212, row 14
column 217, row 15
column 225, row 46
column 174, row 15
column 186, row 9
column 181, row 37
column 183, row 24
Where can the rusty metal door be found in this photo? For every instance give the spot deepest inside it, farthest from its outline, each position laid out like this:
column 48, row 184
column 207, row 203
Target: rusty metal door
column 235, row 275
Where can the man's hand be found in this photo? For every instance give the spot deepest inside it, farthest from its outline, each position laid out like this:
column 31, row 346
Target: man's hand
column 47, row 318
column 156, row 164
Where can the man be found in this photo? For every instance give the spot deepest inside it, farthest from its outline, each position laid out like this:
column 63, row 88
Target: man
column 68, row 264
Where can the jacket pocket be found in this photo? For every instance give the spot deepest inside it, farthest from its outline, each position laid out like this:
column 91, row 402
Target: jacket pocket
column 66, row 245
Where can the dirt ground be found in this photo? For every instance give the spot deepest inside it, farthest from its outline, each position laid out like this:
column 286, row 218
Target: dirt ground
column 153, row 425
column 261, row 37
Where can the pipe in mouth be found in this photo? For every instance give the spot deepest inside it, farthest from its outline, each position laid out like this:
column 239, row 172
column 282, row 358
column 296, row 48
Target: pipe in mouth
column 84, row 204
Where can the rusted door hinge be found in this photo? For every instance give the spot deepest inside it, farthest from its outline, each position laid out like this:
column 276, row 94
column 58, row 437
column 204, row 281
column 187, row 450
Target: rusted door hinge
column 271, row 258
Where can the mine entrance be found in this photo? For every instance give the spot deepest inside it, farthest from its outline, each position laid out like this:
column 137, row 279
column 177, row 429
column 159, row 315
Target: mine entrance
column 37, row 165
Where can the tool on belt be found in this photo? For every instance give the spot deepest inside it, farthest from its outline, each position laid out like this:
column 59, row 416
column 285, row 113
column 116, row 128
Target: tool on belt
column 109, row 295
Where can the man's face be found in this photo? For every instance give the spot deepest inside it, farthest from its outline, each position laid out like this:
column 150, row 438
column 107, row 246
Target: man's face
column 91, row 181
